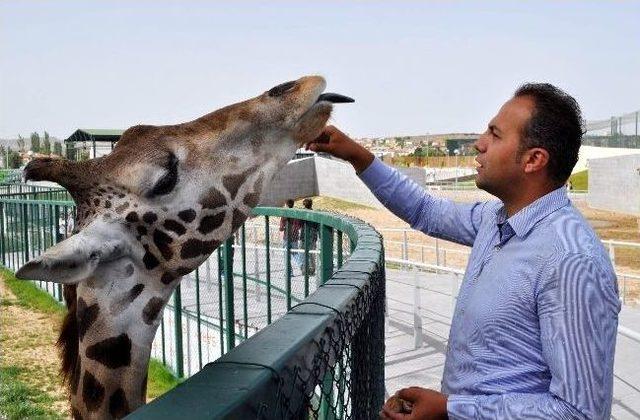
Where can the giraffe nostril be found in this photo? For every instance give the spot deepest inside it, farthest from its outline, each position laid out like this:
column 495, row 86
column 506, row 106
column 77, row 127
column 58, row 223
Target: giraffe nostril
column 94, row 255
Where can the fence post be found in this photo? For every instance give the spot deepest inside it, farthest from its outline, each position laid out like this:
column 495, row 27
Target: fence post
column 405, row 245
column 612, row 254
column 417, row 319
column 2, row 247
column 287, row 262
column 268, row 263
column 326, row 252
column 257, row 292
column 229, row 298
column 25, row 232
column 177, row 316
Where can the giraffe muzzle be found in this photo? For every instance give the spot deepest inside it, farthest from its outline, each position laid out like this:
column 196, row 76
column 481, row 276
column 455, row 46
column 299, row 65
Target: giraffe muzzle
column 334, row 98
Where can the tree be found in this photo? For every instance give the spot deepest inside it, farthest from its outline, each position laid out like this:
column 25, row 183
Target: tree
column 46, row 144
column 14, row 159
column 35, row 142
column 21, row 143
column 57, row 148
column 400, row 141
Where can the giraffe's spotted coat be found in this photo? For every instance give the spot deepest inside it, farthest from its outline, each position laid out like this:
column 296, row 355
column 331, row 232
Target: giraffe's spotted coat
column 86, row 315
column 188, row 215
column 113, row 352
column 92, row 392
column 152, row 309
column 118, row 404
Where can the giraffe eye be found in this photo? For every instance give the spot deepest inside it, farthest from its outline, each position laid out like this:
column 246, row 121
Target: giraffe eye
column 167, row 183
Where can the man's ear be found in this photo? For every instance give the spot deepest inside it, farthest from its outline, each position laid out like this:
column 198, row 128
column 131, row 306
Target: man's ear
column 535, row 159
column 75, row 258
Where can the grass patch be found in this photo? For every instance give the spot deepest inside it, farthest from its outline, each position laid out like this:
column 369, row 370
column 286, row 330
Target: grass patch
column 580, row 180
column 160, row 379
column 30, row 296
column 20, row 401
column 330, row 203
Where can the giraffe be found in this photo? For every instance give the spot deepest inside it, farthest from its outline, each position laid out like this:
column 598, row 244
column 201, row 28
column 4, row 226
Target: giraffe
column 147, row 214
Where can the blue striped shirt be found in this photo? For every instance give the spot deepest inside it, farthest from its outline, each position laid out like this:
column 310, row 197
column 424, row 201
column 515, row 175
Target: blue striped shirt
column 534, row 328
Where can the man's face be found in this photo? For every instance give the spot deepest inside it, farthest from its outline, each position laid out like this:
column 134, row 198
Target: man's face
column 500, row 170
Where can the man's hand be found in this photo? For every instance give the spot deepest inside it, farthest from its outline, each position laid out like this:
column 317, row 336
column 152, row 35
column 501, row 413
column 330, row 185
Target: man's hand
column 338, row 144
column 426, row 404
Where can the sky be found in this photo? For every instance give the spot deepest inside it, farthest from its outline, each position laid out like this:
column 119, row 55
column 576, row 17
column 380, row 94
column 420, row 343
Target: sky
column 412, row 67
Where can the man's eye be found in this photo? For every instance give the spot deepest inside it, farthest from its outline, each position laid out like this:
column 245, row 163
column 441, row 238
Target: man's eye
column 167, row 183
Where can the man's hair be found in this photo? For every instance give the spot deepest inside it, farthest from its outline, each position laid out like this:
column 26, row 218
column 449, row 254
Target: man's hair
column 289, row 203
column 556, row 125
column 307, row 203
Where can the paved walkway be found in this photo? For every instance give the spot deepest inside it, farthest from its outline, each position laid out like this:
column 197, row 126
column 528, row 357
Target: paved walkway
column 415, row 354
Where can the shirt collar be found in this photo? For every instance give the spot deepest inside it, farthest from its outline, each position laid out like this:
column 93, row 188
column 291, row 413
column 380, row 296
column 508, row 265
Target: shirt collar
column 524, row 220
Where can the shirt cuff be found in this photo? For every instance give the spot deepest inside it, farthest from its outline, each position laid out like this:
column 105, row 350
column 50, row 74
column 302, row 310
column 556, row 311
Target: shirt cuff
column 376, row 173
column 461, row 406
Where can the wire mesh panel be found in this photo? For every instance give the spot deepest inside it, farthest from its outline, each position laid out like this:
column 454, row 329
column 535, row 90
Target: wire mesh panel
column 275, row 267
column 324, row 358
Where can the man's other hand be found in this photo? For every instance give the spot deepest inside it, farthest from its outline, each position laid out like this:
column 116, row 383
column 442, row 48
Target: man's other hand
column 338, row 144
column 426, row 404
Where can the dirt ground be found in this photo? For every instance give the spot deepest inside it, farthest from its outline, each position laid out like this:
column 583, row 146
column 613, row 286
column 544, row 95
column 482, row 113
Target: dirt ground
column 26, row 341
column 608, row 225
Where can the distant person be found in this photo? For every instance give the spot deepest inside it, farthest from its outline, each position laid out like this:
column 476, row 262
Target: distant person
column 569, row 186
column 534, row 328
column 291, row 238
column 311, row 230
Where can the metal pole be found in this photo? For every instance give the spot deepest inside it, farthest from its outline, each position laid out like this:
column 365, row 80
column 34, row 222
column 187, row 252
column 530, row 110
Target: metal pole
column 177, row 316
column 199, row 321
column 405, row 246
column 245, row 313
column 326, row 252
column 417, row 319
column 228, row 279
column 268, row 263
column 287, row 262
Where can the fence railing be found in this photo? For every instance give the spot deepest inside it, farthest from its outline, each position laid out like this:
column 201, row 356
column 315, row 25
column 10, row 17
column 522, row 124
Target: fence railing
column 403, row 246
column 314, row 316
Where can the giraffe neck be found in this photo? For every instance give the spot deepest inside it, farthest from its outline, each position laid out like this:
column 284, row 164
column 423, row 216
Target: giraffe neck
column 118, row 311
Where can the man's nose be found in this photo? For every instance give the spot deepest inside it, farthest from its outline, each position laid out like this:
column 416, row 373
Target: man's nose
column 479, row 144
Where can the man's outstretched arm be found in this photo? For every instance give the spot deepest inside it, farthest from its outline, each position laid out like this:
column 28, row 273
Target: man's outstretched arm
column 406, row 199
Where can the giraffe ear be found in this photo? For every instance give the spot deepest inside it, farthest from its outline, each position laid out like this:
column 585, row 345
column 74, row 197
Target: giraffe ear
column 75, row 258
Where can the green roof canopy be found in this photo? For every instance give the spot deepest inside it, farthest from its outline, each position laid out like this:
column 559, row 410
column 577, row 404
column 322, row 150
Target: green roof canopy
column 94, row 134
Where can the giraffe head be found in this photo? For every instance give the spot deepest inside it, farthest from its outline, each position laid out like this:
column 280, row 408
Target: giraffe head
column 150, row 212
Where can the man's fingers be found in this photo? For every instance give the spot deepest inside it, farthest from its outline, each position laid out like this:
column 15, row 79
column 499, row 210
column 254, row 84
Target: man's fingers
column 410, row 394
column 388, row 414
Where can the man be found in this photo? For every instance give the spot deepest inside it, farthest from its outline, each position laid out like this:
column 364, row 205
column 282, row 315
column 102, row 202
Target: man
column 534, row 328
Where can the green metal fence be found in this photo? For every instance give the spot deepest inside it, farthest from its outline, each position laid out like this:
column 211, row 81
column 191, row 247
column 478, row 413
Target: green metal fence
column 314, row 311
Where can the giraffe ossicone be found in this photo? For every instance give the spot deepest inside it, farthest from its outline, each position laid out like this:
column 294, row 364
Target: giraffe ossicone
column 147, row 214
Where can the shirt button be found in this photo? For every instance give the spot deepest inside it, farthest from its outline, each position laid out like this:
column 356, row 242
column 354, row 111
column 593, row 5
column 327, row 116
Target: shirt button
column 497, row 247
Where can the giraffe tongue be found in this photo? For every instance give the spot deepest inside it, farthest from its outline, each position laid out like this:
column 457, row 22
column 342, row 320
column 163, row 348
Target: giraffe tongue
column 334, row 98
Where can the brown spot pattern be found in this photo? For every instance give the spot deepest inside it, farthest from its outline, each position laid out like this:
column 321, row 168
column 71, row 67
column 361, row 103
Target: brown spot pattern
column 113, row 352
column 92, row 392
column 151, row 310
column 149, row 217
column 132, row 217
column 87, row 315
column 232, row 183
column 175, row 226
column 238, row 219
column 188, row 215
column 150, row 261
column 162, row 241
column 213, row 199
column 210, row 223
column 118, row 404
column 195, row 248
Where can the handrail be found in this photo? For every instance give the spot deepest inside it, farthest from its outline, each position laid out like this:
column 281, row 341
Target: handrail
column 249, row 381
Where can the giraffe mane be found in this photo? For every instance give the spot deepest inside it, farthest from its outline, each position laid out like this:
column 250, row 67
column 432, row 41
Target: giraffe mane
column 68, row 340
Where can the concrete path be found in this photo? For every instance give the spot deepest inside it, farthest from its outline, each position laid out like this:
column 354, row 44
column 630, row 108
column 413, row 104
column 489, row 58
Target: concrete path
column 415, row 353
